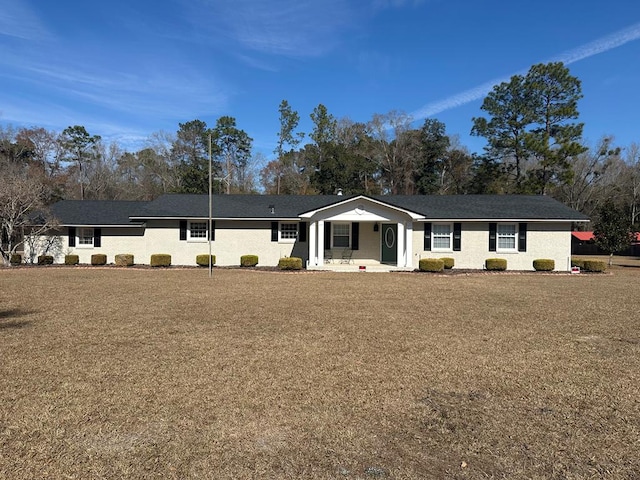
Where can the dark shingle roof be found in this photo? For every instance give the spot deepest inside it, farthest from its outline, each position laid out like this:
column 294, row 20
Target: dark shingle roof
column 233, row 206
column 432, row 207
column 485, row 207
column 95, row 212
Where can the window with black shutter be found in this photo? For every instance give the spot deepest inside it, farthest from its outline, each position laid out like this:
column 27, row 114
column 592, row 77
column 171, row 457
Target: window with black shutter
column 302, row 231
column 427, row 237
column 183, row 229
column 274, row 231
column 493, row 227
column 97, row 237
column 355, row 236
column 522, row 237
column 327, row 235
column 72, row 236
column 457, row 237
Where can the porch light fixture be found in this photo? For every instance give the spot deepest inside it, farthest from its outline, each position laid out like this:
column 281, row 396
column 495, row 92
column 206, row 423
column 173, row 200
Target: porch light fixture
column 376, row 227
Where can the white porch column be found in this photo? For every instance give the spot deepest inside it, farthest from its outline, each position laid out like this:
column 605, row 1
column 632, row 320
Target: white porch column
column 313, row 254
column 409, row 245
column 402, row 260
column 321, row 242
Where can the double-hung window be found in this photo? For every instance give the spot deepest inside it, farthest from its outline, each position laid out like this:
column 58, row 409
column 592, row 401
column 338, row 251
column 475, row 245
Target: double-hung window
column 341, row 235
column 441, row 236
column 288, row 232
column 85, row 237
column 507, row 237
column 198, row 231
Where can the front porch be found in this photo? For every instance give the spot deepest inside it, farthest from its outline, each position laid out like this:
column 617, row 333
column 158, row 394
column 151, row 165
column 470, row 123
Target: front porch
column 358, row 265
column 375, row 235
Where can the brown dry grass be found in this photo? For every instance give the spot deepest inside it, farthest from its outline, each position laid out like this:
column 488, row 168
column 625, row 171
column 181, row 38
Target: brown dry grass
column 118, row 373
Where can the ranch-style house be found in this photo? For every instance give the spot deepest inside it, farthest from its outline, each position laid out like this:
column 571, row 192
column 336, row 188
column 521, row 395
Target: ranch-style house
column 326, row 231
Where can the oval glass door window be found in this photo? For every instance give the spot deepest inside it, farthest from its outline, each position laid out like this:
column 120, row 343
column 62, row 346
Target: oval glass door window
column 389, row 238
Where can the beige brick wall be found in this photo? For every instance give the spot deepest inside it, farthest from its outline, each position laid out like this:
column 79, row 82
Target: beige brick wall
column 544, row 240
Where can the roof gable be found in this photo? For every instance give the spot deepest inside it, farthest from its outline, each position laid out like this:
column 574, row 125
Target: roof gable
column 359, row 210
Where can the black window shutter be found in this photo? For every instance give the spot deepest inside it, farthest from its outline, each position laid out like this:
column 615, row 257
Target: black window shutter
column 427, row 236
column 302, row 231
column 457, row 236
column 72, row 236
column 274, row 231
column 97, row 237
column 212, row 234
column 493, row 227
column 522, row 237
column 355, row 236
column 183, row 229
column 327, row 235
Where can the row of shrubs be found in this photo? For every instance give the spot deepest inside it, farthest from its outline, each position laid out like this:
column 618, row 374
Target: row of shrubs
column 295, row 263
column 159, row 260
column 500, row 264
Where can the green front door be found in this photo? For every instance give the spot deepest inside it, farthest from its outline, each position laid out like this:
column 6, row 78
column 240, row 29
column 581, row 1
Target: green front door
column 389, row 239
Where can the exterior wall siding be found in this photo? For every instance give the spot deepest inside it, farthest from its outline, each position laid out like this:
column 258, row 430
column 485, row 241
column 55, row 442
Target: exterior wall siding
column 234, row 239
column 114, row 241
column 544, row 240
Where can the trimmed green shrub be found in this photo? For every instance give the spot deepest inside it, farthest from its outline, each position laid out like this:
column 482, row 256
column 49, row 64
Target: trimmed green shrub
column 160, row 260
column 431, row 265
column 15, row 259
column 448, row 263
column 290, row 263
column 577, row 262
column 203, row 260
column 248, row 260
column 71, row 259
column 124, row 260
column 495, row 264
column 45, row 260
column 544, row 265
column 595, row 266
column 98, row 259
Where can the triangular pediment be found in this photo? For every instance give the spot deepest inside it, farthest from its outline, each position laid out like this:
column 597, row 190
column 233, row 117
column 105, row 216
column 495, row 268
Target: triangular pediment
column 361, row 208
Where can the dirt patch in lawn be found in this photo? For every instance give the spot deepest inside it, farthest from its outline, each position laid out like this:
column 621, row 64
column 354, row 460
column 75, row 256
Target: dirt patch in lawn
column 145, row 373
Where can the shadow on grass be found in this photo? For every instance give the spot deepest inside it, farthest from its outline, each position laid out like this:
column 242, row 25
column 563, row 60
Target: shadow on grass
column 11, row 316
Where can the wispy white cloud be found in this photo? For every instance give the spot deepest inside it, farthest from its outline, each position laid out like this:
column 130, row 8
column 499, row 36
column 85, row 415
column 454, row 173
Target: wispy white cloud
column 601, row 45
column 293, row 28
column 165, row 90
column 19, row 21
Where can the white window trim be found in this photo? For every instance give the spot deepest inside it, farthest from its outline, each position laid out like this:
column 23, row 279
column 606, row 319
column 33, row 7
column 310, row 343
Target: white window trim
column 515, row 238
column 282, row 239
column 80, row 234
column 333, row 225
column 433, row 238
column 197, row 239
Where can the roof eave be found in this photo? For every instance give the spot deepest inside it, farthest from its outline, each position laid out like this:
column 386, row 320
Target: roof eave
column 530, row 220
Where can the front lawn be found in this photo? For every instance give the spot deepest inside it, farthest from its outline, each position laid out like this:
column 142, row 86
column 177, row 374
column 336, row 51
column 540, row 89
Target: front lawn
column 141, row 373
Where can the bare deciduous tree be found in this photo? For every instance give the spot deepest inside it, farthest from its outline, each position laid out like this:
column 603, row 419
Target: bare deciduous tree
column 22, row 206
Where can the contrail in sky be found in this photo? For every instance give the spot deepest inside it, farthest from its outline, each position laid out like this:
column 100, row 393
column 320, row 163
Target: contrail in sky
column 587, row 50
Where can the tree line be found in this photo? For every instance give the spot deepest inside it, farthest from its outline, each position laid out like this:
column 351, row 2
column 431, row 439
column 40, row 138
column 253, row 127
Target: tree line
column 534, row 145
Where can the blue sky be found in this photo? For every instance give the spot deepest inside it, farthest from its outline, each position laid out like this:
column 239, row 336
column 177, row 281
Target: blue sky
column 126, row 69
